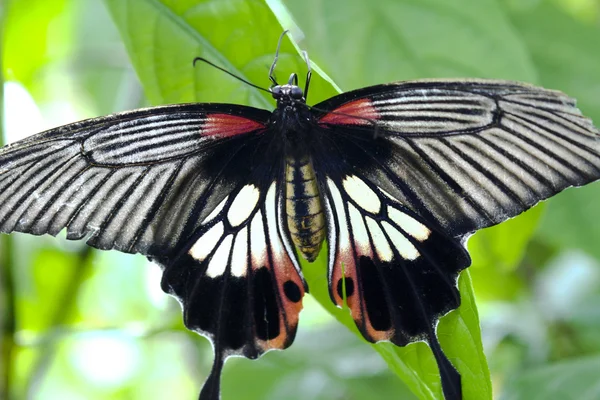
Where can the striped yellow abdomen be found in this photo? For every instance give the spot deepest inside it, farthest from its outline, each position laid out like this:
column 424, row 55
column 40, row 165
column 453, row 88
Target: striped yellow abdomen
column 304, row 210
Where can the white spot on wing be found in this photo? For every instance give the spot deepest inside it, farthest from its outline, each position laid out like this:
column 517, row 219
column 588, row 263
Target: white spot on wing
column 361, row 236
column 362, row 194
column 380, row 242
column 258, row 245
column 207, row 242
column 270, row 204
column 409, row 224
column 406, row 249
column 239, row 258
column 218, row 262
column 216, row 211
column 332, row 238
column 243, row 204
column 338, row 205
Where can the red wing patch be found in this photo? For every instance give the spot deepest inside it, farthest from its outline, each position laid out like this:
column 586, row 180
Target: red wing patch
column 226, row 125
column 363, row 109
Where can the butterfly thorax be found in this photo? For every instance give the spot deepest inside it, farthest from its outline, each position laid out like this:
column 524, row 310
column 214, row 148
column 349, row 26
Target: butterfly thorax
column 292, row 116
column 303, row 205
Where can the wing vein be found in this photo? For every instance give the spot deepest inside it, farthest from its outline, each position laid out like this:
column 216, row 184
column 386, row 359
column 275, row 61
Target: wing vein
column 483, row 170
column 157, row 204
column 452, row 184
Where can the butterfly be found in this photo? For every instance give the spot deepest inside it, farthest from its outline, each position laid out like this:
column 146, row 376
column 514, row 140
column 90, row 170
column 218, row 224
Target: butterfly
column 391, row 179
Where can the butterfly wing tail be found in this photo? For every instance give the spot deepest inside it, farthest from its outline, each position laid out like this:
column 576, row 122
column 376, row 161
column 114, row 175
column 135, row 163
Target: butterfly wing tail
column 451, row 382
column 212, row 387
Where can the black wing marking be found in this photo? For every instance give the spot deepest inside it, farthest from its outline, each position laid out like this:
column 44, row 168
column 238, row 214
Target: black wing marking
column 397, row 274
column 238, row 280
column 464, row 154
column 137, row 181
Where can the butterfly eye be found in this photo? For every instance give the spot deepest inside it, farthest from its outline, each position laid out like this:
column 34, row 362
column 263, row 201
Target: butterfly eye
column 296, row 93
column 276, row 91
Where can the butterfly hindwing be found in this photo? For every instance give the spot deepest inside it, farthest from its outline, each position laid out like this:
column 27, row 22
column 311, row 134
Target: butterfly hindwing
column 396, row 273
column 237, row 282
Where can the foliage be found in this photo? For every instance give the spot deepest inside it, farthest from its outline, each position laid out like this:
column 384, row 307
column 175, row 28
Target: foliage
column 530, row 283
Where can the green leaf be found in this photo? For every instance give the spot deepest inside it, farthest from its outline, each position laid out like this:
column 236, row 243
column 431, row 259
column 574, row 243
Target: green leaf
column 325, row 363
column 163, row 38
column 361, row 43
column 566, row 52
column 29, row 25
column 497, row 251
column 574, row 379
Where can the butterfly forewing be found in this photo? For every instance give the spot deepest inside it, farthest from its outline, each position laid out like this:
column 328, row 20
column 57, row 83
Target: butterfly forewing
column 161, row 169
column 465, row 154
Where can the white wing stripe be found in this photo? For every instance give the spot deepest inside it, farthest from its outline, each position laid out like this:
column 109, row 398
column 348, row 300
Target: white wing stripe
column 218, row 262
column 271, row 212
column 359, row 232
column 338, row 205
column 258, row 243
column 239, row 257
column 409, row 224
column 380, row 242
column 406, row 249
column 207, row 242
column 243, row 204
column 151, row 133
column 362, row 194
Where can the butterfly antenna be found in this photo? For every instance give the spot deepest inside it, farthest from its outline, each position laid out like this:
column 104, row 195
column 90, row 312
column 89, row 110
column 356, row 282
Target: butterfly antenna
column 271, row 77
column 308, row 73
column 204, row 60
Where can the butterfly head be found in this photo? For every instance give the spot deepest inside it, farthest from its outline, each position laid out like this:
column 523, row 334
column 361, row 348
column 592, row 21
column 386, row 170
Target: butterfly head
column 289, row 94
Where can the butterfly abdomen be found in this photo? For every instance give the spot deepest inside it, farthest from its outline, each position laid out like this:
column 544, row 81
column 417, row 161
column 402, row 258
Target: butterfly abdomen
column 305, row 218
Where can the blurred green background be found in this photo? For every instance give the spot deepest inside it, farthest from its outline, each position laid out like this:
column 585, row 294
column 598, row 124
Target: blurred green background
column 81, row 324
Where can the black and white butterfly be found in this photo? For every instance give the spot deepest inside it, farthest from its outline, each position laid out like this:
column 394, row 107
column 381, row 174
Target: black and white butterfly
column 226, row 198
